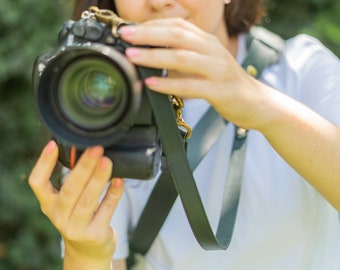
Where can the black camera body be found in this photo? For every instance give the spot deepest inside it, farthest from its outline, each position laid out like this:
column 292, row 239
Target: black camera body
column 88, row 93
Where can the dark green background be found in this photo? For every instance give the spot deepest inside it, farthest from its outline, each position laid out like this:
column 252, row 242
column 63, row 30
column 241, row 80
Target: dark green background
column 29, row 27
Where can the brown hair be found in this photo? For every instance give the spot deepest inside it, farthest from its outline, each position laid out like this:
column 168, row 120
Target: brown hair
column 240, row 14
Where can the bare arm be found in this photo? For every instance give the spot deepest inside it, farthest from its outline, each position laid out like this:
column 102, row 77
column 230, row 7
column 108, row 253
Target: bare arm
column 308, row 142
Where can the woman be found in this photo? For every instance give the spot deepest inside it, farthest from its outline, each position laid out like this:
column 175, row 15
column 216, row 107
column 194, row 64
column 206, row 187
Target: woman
column 288, row 212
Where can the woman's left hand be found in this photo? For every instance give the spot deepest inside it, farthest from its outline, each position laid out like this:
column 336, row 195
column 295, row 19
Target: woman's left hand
column 199, row 66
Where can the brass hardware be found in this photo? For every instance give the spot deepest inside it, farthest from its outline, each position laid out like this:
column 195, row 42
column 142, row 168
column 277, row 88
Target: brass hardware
column 251, row 70
column 106, row 16
column 178, row 105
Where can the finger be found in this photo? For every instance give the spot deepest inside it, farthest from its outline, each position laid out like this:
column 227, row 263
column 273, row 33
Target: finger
column 39, row 179
column 88, row 201
column 78, row 178
column 110, row 202
column 184, row 61
column 185, row 87
column 171, row 22
column 175, row 33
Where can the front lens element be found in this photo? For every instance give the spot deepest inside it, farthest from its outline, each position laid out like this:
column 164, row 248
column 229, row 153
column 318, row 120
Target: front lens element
column 93, row 93
column 98, row 90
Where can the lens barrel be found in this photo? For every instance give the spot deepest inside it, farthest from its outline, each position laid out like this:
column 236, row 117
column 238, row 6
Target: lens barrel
column 92, row 88
column 93, row 93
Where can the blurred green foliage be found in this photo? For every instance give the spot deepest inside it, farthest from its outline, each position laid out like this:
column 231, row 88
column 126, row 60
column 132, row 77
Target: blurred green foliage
column 27, row 239
column 29, row 27
column 318, row 18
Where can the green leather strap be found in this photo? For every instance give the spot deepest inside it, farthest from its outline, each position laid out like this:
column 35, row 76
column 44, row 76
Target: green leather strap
column 164, row 194
column 155, row 212
column 264, row 49
column 204, row 135
column 181, row 172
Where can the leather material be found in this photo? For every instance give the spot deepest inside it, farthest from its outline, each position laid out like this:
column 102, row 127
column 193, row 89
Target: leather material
column 264, row 49
column 204, row 135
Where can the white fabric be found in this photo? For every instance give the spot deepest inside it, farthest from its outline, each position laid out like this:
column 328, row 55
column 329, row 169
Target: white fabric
column 282, row 222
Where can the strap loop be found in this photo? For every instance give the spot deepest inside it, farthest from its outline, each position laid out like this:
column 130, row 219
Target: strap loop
column 264, row 49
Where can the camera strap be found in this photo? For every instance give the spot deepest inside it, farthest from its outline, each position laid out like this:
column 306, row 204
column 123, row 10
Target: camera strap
column 264, row 49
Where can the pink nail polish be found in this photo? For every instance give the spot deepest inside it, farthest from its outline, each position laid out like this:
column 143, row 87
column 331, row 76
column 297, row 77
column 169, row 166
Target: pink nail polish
column 151, row 81
column 96, row 151
column 117, row 183
column 50, row 147
column 132, row 52
column 104, row 163
column 127, row 30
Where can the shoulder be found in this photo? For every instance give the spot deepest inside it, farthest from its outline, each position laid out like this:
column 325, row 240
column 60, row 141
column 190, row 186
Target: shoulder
column 305, row 59
column 309, row 73
column 304, row 52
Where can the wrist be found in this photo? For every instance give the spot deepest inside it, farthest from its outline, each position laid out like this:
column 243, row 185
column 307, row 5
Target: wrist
column 267, row 110
column 77, row 261
column 87, row 260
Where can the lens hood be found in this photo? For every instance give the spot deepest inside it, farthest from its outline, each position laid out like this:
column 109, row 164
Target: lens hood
column 53, row 109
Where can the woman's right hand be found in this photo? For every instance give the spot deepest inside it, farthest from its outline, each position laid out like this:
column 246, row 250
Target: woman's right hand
column 76, row 210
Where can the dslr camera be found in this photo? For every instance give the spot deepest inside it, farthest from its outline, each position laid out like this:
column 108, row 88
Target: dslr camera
column 88, row 93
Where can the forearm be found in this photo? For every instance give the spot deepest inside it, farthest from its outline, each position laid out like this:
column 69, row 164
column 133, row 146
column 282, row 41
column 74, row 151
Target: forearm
column 308, row 142
column 72, row 262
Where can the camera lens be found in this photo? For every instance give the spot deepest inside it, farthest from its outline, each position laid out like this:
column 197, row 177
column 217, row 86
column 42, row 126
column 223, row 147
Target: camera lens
column 93, row 93
column 88, row 94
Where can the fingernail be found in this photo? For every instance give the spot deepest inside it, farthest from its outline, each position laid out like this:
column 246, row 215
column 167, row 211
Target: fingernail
column 50, row 147
column 104, row 163
column 132, row 52
column 96, row 151
column 117, row 183
column 127, row 30
column 151, row 81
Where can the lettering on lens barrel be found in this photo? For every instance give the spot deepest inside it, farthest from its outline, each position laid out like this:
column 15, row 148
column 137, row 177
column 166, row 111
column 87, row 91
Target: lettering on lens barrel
column 88, row 93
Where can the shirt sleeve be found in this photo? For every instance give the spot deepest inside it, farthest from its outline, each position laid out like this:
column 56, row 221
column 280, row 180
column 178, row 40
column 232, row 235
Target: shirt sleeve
column 316, row 73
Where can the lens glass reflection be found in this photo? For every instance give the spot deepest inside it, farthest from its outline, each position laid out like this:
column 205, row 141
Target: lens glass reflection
column 93, row 93
column 98, row 90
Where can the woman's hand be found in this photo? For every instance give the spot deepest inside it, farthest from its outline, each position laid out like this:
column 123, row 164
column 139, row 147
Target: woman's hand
column 200, row 66
column 76, row 210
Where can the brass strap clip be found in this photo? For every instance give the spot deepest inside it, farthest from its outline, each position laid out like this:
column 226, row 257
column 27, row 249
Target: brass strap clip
column 178, row 105
column 106, row 16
